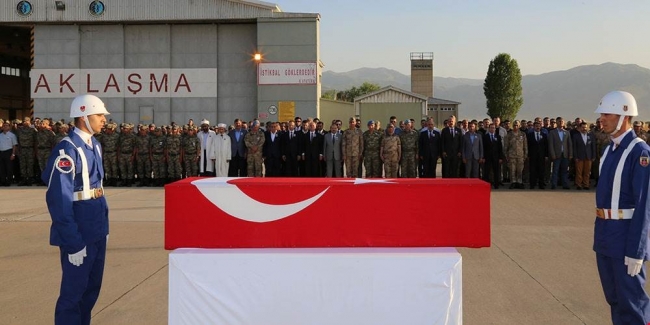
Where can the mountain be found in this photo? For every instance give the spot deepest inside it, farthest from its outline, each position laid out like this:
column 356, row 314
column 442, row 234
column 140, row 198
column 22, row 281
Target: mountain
column 570, row 93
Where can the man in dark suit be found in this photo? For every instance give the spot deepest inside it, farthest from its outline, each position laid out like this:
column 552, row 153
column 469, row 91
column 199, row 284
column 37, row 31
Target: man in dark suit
column 537, row 155
column 584, row 152
column 430, row 149
column 472, row 151
column 452, row 139
column 493, row 155
column 312, row 152
column 560, row 151
column 238, row 165
column 332, row 152
column 272, row 152
column 291, row 150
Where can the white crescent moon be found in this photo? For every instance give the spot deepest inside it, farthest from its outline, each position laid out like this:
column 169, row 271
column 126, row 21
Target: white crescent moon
column 231, row 200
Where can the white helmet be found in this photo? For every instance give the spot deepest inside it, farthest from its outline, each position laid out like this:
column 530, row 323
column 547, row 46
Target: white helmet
column 618, row 103
column 84, row 105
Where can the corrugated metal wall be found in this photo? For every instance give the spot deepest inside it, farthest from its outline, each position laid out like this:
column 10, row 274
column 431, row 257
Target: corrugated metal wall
column 140, row 10
column 227, row 48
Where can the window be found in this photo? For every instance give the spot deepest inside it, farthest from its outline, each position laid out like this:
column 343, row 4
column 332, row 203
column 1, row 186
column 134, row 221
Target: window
column 10, row 71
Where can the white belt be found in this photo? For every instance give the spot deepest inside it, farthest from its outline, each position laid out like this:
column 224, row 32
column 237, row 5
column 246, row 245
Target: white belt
column 93, row 193
column 620, row 214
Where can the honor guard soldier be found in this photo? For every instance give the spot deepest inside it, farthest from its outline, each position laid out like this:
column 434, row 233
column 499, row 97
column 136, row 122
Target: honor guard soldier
column 622, row 213
column 75, row 200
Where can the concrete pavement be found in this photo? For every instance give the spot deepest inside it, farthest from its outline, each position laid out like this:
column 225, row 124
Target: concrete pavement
column 539, row 270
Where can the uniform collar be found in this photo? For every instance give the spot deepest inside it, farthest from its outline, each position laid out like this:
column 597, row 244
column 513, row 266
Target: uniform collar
column 617, row 141
column 86, row 137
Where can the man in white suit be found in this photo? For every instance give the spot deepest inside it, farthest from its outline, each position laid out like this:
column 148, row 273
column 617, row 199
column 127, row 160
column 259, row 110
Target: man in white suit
column 221, row 153
column 332, row 152
column 206, row 136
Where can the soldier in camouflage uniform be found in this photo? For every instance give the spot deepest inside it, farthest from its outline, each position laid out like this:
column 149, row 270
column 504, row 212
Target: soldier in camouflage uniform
column 173, row 154
column 371, row 145
column 409, row 143
column 602, row 141
column 516, row 151
column 638, row 130
column 110, row 140
column 45, row 143
column 62, row 132
column 254, row 141
column 157, row 150
column 391, row 152
column 142, row 157
column 27, row 141
column 126, row 153
column 352, row 148
column 190, row 153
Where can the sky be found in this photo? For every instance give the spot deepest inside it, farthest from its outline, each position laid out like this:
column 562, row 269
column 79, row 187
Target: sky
column 464, row 35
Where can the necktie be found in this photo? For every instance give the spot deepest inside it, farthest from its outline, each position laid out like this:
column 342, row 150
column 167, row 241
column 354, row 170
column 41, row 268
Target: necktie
column 453, row 132
column 537, row 136
column 311, row 137
column 492, row 136
column 332, row 137
column 290, row 135
column 430, row 134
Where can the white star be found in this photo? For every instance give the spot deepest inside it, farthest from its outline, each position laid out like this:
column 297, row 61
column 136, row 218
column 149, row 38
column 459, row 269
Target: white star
column 358, row 181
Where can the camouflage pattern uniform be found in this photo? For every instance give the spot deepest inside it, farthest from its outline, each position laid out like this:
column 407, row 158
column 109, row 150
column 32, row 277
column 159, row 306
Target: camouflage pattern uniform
column 126, row 154
column 62, row 133
column 158, row 156
column 409, row 162
column 45, row 143
column 109, row 141
column 254, row 141
column 391, row 151
column 602, row 141
column 371, row 159
column 27, row 141
column 142, row 159
column 173, row 155
column 516, row 151
column 191, row 146
column 352, row 148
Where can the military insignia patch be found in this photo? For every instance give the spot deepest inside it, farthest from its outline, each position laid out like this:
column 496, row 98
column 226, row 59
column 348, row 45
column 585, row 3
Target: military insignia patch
column 64, row 164
column 644, row 161
column 624, row 108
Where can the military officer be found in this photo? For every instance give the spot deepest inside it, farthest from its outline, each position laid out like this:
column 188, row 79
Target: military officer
column 622, row 214
column 254, row 140
column 352, row 147
column 125, row 156
column 409, row 144
column 371, row 147
column 157, row 151
column 142, row 156
column 27, row 142
column 44, row 143
column 77, row 206
column 390, row 152
column 173, row 154
column 190, row 152
column 110, row 140
column 516, row 149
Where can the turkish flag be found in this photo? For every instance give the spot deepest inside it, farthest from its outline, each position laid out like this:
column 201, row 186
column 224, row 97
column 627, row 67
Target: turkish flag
column 326, row 212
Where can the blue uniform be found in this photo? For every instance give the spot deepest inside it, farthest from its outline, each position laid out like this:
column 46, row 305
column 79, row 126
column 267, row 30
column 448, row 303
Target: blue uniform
column 626, row 232
column 78, row 220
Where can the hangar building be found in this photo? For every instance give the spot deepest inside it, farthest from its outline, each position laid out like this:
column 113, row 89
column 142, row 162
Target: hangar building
column 159, row 60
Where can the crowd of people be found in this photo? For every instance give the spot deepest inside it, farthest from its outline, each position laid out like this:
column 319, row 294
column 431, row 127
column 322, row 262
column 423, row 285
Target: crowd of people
column 539, row 153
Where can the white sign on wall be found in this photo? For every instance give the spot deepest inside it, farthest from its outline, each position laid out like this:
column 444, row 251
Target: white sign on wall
column 287, row 74
column 131, row 83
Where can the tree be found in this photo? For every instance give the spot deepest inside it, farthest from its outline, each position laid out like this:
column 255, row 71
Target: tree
column 354, row 92
column 330, row 94
column 502, row 87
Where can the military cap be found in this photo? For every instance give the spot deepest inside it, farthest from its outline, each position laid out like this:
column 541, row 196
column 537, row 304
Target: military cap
column 157, row 129
column 18, row 121
column 371, row 122
column 638, row 123
column 185, row 127
column 111, row 126
column 144, row 127
column 176, row 127
column 152, row 125
column 407, row 121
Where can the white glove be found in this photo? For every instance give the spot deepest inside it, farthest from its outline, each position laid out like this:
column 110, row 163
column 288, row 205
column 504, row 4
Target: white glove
column 77, row 258
column 633, row 266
